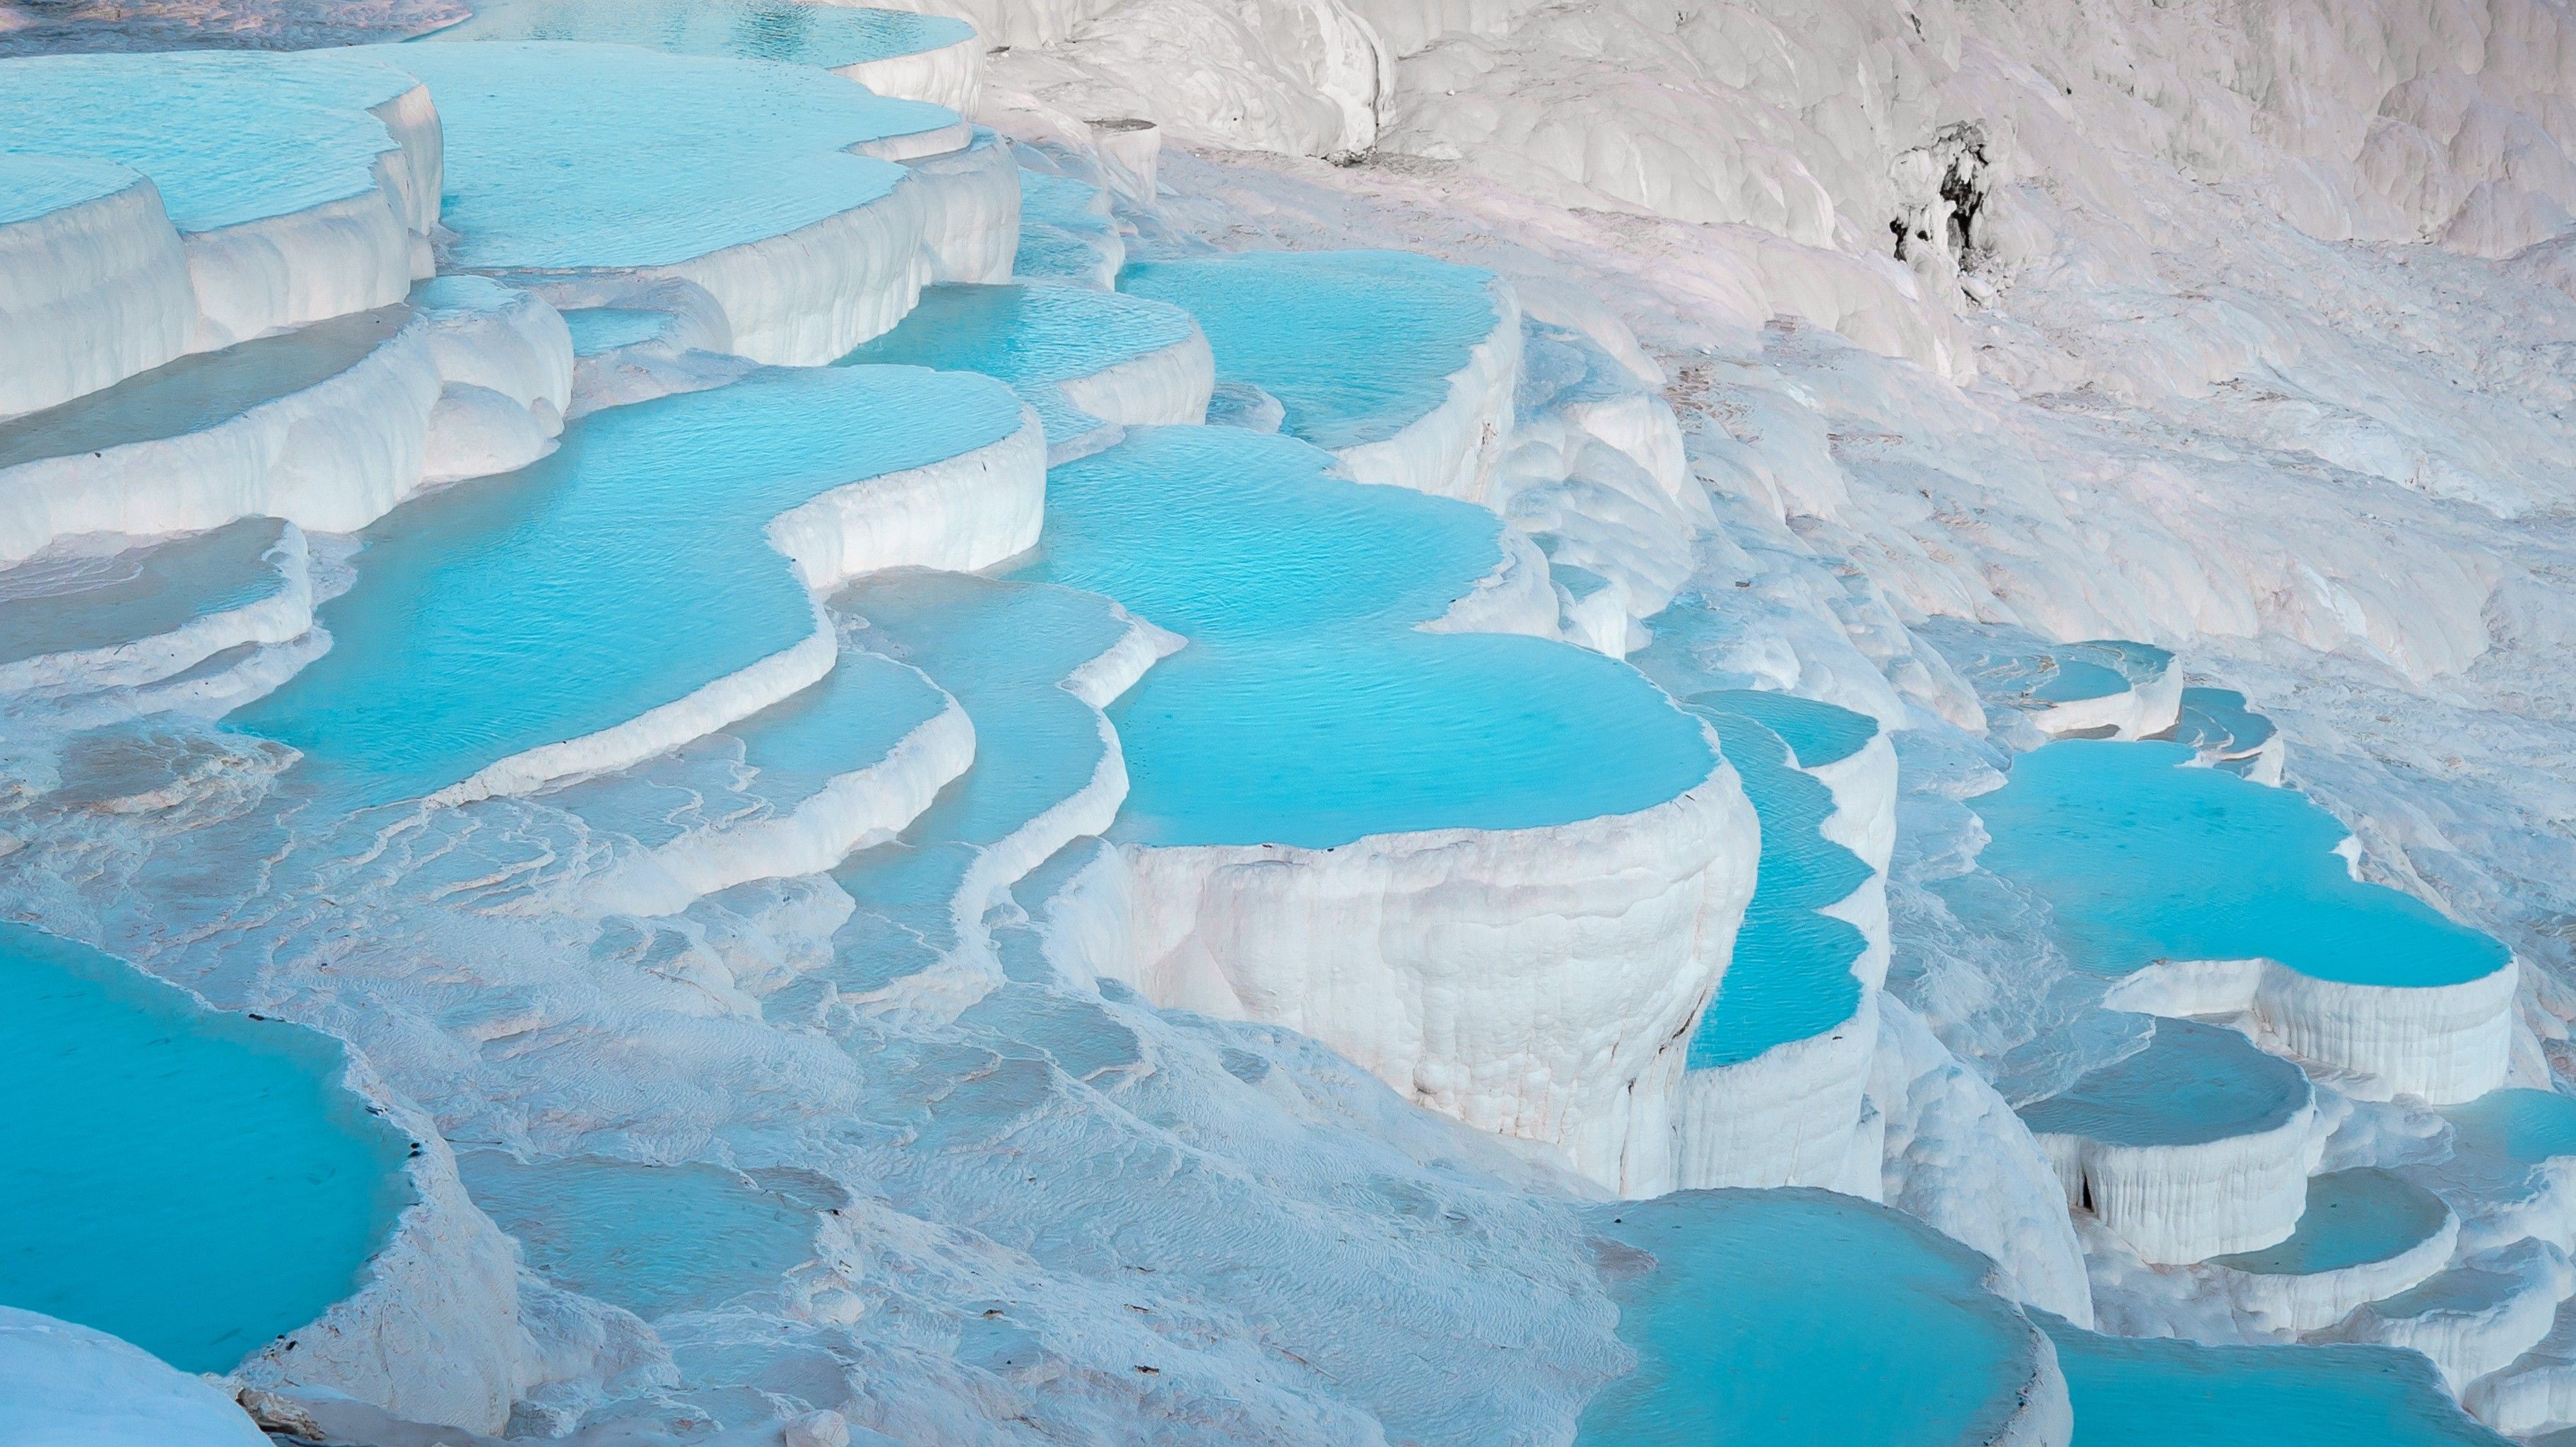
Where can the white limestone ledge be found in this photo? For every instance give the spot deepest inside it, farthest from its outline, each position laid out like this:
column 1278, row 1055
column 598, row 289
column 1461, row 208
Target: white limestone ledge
column 949, row 75
column 91, row 291
column 2442, row 1044
column 807, row 297
column 1451, row 451
column 329, row 456
column 960, row 514
column 432, row 1333
column 1541, row 983
column 2474, row 1319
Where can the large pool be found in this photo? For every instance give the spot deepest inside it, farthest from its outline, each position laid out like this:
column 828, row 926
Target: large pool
column 2141, row 1392
column 2142, row 858
column 1804, row 1319
column 625, row 571
column 568, row 156
column 1356, row 345
column 830, row 36
column 194, row 1182
column 227, row 137
column 1307, row 708
column 1791, row 975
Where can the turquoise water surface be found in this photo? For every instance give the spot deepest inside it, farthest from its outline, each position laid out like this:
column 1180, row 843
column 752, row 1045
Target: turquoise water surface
column 199, row 391
column 564, row 156
column 2352, row 1218
column 1307, row 709
column 1003, row 649
column 1357, row 345
column 2142, row 859
column 2162, row 1392
column 33, row 186
column 2192, row 1084
column 2217, row 719
column 1031, row 337
column 1817, row 733
column 227, row 136
column 652, row 1239
column 144, row 592
column 623, row 572
column 1801, row 1318
column 1791, row 975
column 830, row 36
column 2523, row 1126
column 194, row 1182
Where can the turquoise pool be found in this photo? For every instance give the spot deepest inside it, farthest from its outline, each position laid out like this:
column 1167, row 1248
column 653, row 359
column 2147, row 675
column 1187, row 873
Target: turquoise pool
column 2141, row 858
column 1356, row 345
column 194, row 1182
column 623, row 572
column 1307, row 708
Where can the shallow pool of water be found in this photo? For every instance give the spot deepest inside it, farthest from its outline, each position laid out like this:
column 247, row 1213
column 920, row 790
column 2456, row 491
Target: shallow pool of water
column 226, row 137
column 2142, row 1392
column 1803, row 1319
column 2352, row 1218
column 1791, row 974
column 194, row 1182
column 623, row 572
column 1356, row 345
column 197, row 392
column 71, row 604
column 652, row 1239
column 2141, row 858
column 830, row 36
column 2524, row 1126
column 2192, row 1084
column 1307, row 709
column 569, row 156
column 1031, row 337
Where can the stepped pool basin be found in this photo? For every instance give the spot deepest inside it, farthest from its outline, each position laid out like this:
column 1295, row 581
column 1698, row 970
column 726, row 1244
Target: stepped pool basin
column 194, row 1182
column 825, row 35
column 2525, row 1127
column 196, row 392
column 2353, row 1218
column 2218, row 720
column 651, row 1239
column 79, row 604
column 1355, row 345
column 227, row 137
column 1036, row 338
column 2142, row 859
column 628, row 570
column 1791, row 976
column 1006, row 651
column 1818, row 734
column 576, row 157
column 1307, row 708
column 2191, row 1085
column 2157, row 1392
column 1801, row 1318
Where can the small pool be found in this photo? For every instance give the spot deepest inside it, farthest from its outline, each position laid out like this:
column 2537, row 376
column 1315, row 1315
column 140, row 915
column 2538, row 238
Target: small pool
column 830, row 36
column 1818, row 733
column 226, row 136
column 652, row 1239
column 2217, row 720
column 1031, row 337
column 1356, row 345
column 197, row 392
column 1791, row 974
column 1307, row 708
column 77, row 604
column 2522, row 1126
column 2142, row 858
column 625, row 571
column 2353, row 1218
column 569, row 156
column 1801, row 1318
column 195, row 1182
column 2164, row 1392
column 2192, row 1084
